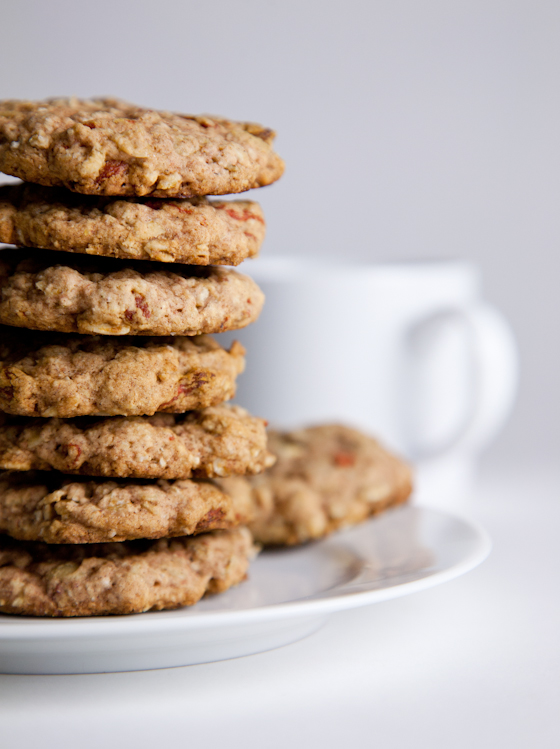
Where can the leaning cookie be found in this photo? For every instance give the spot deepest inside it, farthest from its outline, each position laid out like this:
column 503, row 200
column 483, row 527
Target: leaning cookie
column 218, row 441
column 120, row 578
column 53, row 375
column 195, row 231
column 45, row 290
column 110, row 147
column 325, row 478
column 59, row 509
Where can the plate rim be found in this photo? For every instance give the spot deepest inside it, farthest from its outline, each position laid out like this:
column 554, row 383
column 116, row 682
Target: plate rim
column 321, row 604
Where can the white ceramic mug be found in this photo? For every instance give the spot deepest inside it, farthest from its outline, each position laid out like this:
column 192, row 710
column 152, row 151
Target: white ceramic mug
column 407, row 352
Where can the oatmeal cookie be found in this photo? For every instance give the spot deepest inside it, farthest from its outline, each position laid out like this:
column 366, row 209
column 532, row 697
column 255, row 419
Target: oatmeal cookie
column 218, row 441
column 110, row 147
column 325, row 478
column 59, row 509
column 120, row 578
column 45, row 290
column 53, row 375
column 195, row 231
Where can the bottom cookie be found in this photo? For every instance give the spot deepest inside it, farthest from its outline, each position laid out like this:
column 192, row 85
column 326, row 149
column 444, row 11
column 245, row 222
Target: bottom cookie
column 119, row 578
column 325, row 478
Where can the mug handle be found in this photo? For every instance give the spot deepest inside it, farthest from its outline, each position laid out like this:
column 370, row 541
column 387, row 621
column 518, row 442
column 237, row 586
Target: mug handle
column 477, row 397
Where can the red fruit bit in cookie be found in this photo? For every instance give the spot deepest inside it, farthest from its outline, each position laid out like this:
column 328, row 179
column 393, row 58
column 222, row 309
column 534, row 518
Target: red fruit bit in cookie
column 73, row 451
column 141, row 304
column 111, row 168
column 344, row 459
column 242, row 215
column 202, row 378
column 199, row 380
column 91, row 125
column 211, row 517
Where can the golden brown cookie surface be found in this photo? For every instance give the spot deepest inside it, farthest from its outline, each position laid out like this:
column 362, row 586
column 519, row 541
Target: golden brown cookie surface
column 120, row 578
column 60, row 509
column 195, row 231
column 56, row 375
column 46, row 290
column 325, row 478
column 110, row 147
column 218, row 441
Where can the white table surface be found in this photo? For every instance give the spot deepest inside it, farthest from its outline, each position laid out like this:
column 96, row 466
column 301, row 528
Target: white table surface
column 472, row 663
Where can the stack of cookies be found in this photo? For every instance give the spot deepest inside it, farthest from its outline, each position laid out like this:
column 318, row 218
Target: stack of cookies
column 113, row 427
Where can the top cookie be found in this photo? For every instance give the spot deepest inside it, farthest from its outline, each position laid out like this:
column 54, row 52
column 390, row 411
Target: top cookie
column 196, row 231
column 110, row 147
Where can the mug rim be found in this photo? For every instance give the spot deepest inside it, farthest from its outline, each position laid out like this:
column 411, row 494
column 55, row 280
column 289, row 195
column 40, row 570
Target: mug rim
column 293, row 268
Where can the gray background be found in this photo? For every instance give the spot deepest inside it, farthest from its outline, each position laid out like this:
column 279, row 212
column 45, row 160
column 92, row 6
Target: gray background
column 410, row 130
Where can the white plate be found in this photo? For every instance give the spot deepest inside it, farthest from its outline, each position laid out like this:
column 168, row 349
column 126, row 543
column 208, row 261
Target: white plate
column 290, row 594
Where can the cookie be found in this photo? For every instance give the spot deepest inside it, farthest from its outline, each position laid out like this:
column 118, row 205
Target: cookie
column 219, row 441
column 120, row 578
column 60, row 509
column 46, row 290
column 195, row 231
column 325, row 478
column 47, row 374
column 110, row 147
